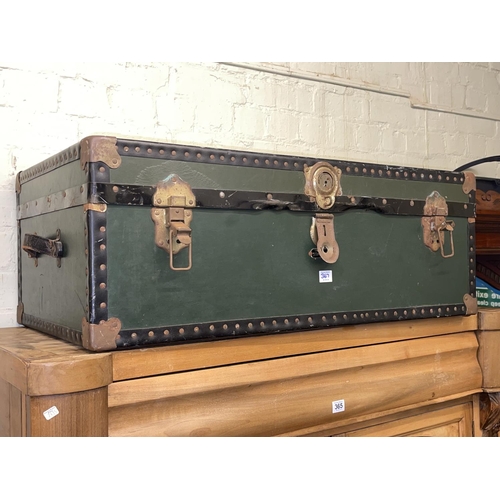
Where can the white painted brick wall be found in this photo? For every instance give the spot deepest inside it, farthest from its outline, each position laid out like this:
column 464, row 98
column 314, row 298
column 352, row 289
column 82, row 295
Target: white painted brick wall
column 45, row 107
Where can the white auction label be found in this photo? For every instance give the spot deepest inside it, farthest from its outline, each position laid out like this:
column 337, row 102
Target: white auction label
column 325, row 276
column 51, row 412
column 338, row 406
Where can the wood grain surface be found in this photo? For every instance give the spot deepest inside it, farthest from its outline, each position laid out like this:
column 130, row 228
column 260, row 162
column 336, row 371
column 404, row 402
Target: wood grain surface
column 454, row 421
column 280, row 384
column 280, row 396
column 80, row 414
column 170, row 359
column 38, row 364
column 489, row 358
column 488, row 318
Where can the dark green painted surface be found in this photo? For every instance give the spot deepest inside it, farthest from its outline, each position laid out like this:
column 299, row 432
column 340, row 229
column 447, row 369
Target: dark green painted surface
column 59, row 179
column 148, row 172
column 246, row 264
column 54, row 294
column 256, row 264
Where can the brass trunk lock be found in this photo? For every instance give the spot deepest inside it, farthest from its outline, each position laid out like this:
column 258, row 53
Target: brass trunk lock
column 323, row 184
column 435, row 225
column 323, row 234
column 172, row 199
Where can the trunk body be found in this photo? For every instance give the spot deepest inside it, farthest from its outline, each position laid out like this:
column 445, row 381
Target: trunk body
column 164, row 244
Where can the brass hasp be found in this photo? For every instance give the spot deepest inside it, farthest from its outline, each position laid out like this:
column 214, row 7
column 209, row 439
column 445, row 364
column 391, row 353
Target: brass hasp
column 172, row 218
column 435, row 224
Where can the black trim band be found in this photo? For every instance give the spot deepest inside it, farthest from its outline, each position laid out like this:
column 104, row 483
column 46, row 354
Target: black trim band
column 98, row 262
column 133, row 195
column 230, row 329
column 471, row 241
column 143, row 149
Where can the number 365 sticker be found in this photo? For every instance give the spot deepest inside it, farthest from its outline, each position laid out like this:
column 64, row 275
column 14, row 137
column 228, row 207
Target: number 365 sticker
column 338, row 406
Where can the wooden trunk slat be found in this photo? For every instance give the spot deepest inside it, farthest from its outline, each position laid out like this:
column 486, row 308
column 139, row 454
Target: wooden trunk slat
column 162, row 360
column 280, row 396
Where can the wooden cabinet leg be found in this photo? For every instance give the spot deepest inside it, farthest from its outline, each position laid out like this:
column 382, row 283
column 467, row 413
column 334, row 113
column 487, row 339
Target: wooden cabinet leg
column 72, row 415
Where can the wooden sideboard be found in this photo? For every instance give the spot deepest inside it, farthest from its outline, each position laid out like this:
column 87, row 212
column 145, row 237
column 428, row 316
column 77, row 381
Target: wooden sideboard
column 416, row 377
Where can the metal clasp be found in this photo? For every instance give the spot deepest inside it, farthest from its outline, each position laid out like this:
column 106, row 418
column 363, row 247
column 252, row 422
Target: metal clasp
column 179, row 236
column 323, row 234
column 435, row 225
column 446, row 225
column 172, row 223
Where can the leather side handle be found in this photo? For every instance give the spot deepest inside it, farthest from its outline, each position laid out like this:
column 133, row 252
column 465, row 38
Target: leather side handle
column 35, row 246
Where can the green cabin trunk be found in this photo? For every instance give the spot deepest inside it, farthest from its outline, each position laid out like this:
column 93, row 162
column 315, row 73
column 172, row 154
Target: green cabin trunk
column 246, row 236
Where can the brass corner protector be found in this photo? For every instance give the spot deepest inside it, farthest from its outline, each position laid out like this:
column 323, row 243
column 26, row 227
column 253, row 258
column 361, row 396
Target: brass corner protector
column 101, row 337
column 99, row 148
column 20, row 312
column 471, row 220
column 95, row 207
column 470, row 304
column 18, row 182
column 469, row 182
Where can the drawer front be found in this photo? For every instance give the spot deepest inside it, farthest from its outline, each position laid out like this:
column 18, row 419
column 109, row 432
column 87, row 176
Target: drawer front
column 294, row 394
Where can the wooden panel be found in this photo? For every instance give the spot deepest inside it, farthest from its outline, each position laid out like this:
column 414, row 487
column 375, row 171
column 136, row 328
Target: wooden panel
column 17, row 428
column 11, row 417
column 488, row 319
column 4, row 408
column 72, row 375
column 170, row 359
column 285, row 395
column 80, row 414
column 38, row 364
column 489, row 358
column 476, row 415
column 455, row 421
column 487, row 243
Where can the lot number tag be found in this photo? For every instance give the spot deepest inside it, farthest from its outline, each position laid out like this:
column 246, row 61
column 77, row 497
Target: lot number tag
column 325, row 276
column 51, row 412
column 338, row 406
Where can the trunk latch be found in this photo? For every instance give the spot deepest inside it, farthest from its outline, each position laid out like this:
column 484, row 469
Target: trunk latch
column 323, row 234
column 172, row 199
column 435, row 225
column 322, row 186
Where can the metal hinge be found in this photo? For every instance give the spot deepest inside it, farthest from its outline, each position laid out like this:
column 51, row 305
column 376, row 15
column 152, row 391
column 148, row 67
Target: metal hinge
column 172, row 218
